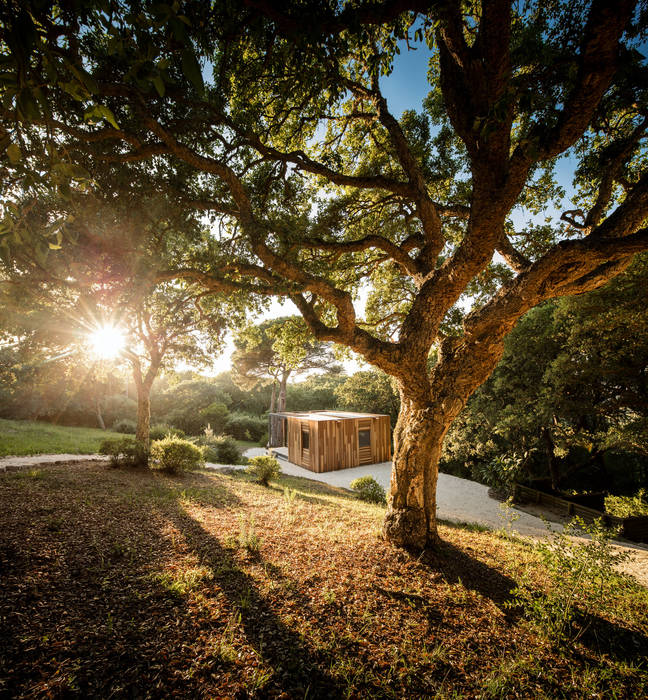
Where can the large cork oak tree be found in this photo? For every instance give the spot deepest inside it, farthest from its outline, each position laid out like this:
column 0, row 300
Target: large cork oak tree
column 318, row 190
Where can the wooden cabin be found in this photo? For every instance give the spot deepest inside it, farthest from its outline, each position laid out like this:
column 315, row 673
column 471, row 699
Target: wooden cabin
column 324, row 441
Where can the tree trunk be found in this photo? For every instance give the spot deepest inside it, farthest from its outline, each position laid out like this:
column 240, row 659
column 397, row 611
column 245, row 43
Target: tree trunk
column 143, row 413
column 273, row 396
column 100, row 419
column 411, row 518
column 552, row 462
column 282, row 390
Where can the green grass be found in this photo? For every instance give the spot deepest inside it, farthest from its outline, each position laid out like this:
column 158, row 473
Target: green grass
column 246, row 445
column 33, row 438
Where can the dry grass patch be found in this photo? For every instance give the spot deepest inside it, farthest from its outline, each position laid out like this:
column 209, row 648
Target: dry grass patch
column 208, row 585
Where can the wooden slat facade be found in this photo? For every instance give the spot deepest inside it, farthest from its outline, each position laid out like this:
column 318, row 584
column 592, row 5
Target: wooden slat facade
column 337, row 442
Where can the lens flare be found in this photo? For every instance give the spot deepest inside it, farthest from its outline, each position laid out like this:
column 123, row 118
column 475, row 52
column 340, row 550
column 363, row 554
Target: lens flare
column 107, row 342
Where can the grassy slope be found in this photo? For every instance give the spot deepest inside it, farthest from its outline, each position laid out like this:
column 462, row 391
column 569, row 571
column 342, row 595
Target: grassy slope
column 31, row 438
column 207, row 585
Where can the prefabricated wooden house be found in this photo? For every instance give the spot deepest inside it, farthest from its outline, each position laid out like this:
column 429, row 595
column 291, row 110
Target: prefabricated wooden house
column 324, row 441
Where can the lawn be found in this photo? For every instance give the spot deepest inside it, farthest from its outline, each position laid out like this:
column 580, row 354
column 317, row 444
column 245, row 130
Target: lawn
column 133, row 583
column 32, row 438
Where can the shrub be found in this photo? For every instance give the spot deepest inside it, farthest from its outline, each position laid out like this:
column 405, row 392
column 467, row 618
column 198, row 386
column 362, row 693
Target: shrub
column 368, row 489
column 173, row 455
column 263, row 468
column 216, row 415
column 124, row 425
column 161, row 430
column 124, row 452
column 627, row 506
column 581, row 573
column 243, row 426
column 263, row 440
column 501, row 472
column 223, row 449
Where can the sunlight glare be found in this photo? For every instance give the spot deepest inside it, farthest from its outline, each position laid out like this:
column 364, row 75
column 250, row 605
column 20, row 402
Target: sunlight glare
column 107, row 342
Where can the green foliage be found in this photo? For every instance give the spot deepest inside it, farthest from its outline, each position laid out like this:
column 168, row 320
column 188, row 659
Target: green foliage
column 222, row 449
column 369, row 391
column 502, row 472
column 124, row 452
column 174, row 455
column 264, row 469
column 582, row 581
column 627, row 506
column 161, row 430
column 215, row 415
column 368, row 489
column 248, row 537
column 244, row 426
column 124, row 425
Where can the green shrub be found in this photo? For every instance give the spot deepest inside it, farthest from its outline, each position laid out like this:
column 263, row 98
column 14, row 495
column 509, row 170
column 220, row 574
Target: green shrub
column 582, row 578
column 161, row 430
column 264, row 468
column 368, row 489
column 263, row 440
column 215, row 415
column 124, row 452
column 244, row 426
column 223, row 449
column 173, row 455
column 124, row 425
column 501, row 472
column 627, row 506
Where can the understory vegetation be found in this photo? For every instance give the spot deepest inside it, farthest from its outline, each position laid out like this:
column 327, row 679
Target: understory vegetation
column 207, row 584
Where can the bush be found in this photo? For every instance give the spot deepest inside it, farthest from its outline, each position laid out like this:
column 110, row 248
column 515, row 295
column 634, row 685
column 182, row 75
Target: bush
column 216, row 415
column 368, row 489
column 263, row 440
column 173, row 455
column 263, row 468
column 124, row 452
column 124, row 425
column 243, row 426
column 500, row 473
column 161, row 430
column 582, row 579
column 627, row 506
column 223, row 449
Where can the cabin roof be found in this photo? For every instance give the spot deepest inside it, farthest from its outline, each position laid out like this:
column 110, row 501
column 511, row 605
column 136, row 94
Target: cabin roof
column 327, row 415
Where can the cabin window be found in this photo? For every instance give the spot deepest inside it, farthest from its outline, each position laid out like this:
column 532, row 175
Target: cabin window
column 305, row 438
column 364, row 438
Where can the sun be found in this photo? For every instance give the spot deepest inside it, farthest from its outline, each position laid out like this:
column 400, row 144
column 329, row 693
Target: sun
column 107, row 342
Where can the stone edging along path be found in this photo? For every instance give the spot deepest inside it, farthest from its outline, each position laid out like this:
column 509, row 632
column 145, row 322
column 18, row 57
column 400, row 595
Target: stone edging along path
column 458, row 500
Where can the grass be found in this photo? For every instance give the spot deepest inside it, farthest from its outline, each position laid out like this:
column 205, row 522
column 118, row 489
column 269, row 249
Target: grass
column 132, row 583
column 32, row 438
column 246, row 444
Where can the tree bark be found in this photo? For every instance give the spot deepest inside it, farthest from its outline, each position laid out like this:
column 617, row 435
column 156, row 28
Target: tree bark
column 282, row 390
column 143, row 385
column 411, row 518
column 273, row 396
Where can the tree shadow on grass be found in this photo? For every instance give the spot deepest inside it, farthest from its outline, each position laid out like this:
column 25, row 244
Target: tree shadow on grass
column 295, row 671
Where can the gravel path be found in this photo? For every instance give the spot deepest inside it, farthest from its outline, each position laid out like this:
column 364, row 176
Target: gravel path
column 458, row 500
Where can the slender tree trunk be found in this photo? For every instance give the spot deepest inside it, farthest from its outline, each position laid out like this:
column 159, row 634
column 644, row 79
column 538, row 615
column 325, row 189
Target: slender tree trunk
column 273, row 396
column 143, row 385
column 100, row 419
column 552, row 462
column 282, row 390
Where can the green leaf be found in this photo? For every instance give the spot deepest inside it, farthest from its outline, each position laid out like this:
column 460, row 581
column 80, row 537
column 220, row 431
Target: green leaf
column 159, row 85
column 71, row 170
column 191, row 69
column 14, row 154
column 98, row 112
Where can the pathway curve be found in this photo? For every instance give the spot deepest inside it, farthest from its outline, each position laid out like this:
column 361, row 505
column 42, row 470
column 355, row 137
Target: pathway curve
column 458, row 500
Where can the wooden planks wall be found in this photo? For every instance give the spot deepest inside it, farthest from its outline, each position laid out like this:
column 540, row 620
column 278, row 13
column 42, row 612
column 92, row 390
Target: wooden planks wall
column 334, row 442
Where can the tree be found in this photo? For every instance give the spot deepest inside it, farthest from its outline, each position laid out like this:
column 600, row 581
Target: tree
column 321, row 190
column 274, row 350
column 369, row 391
column 571, row 386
